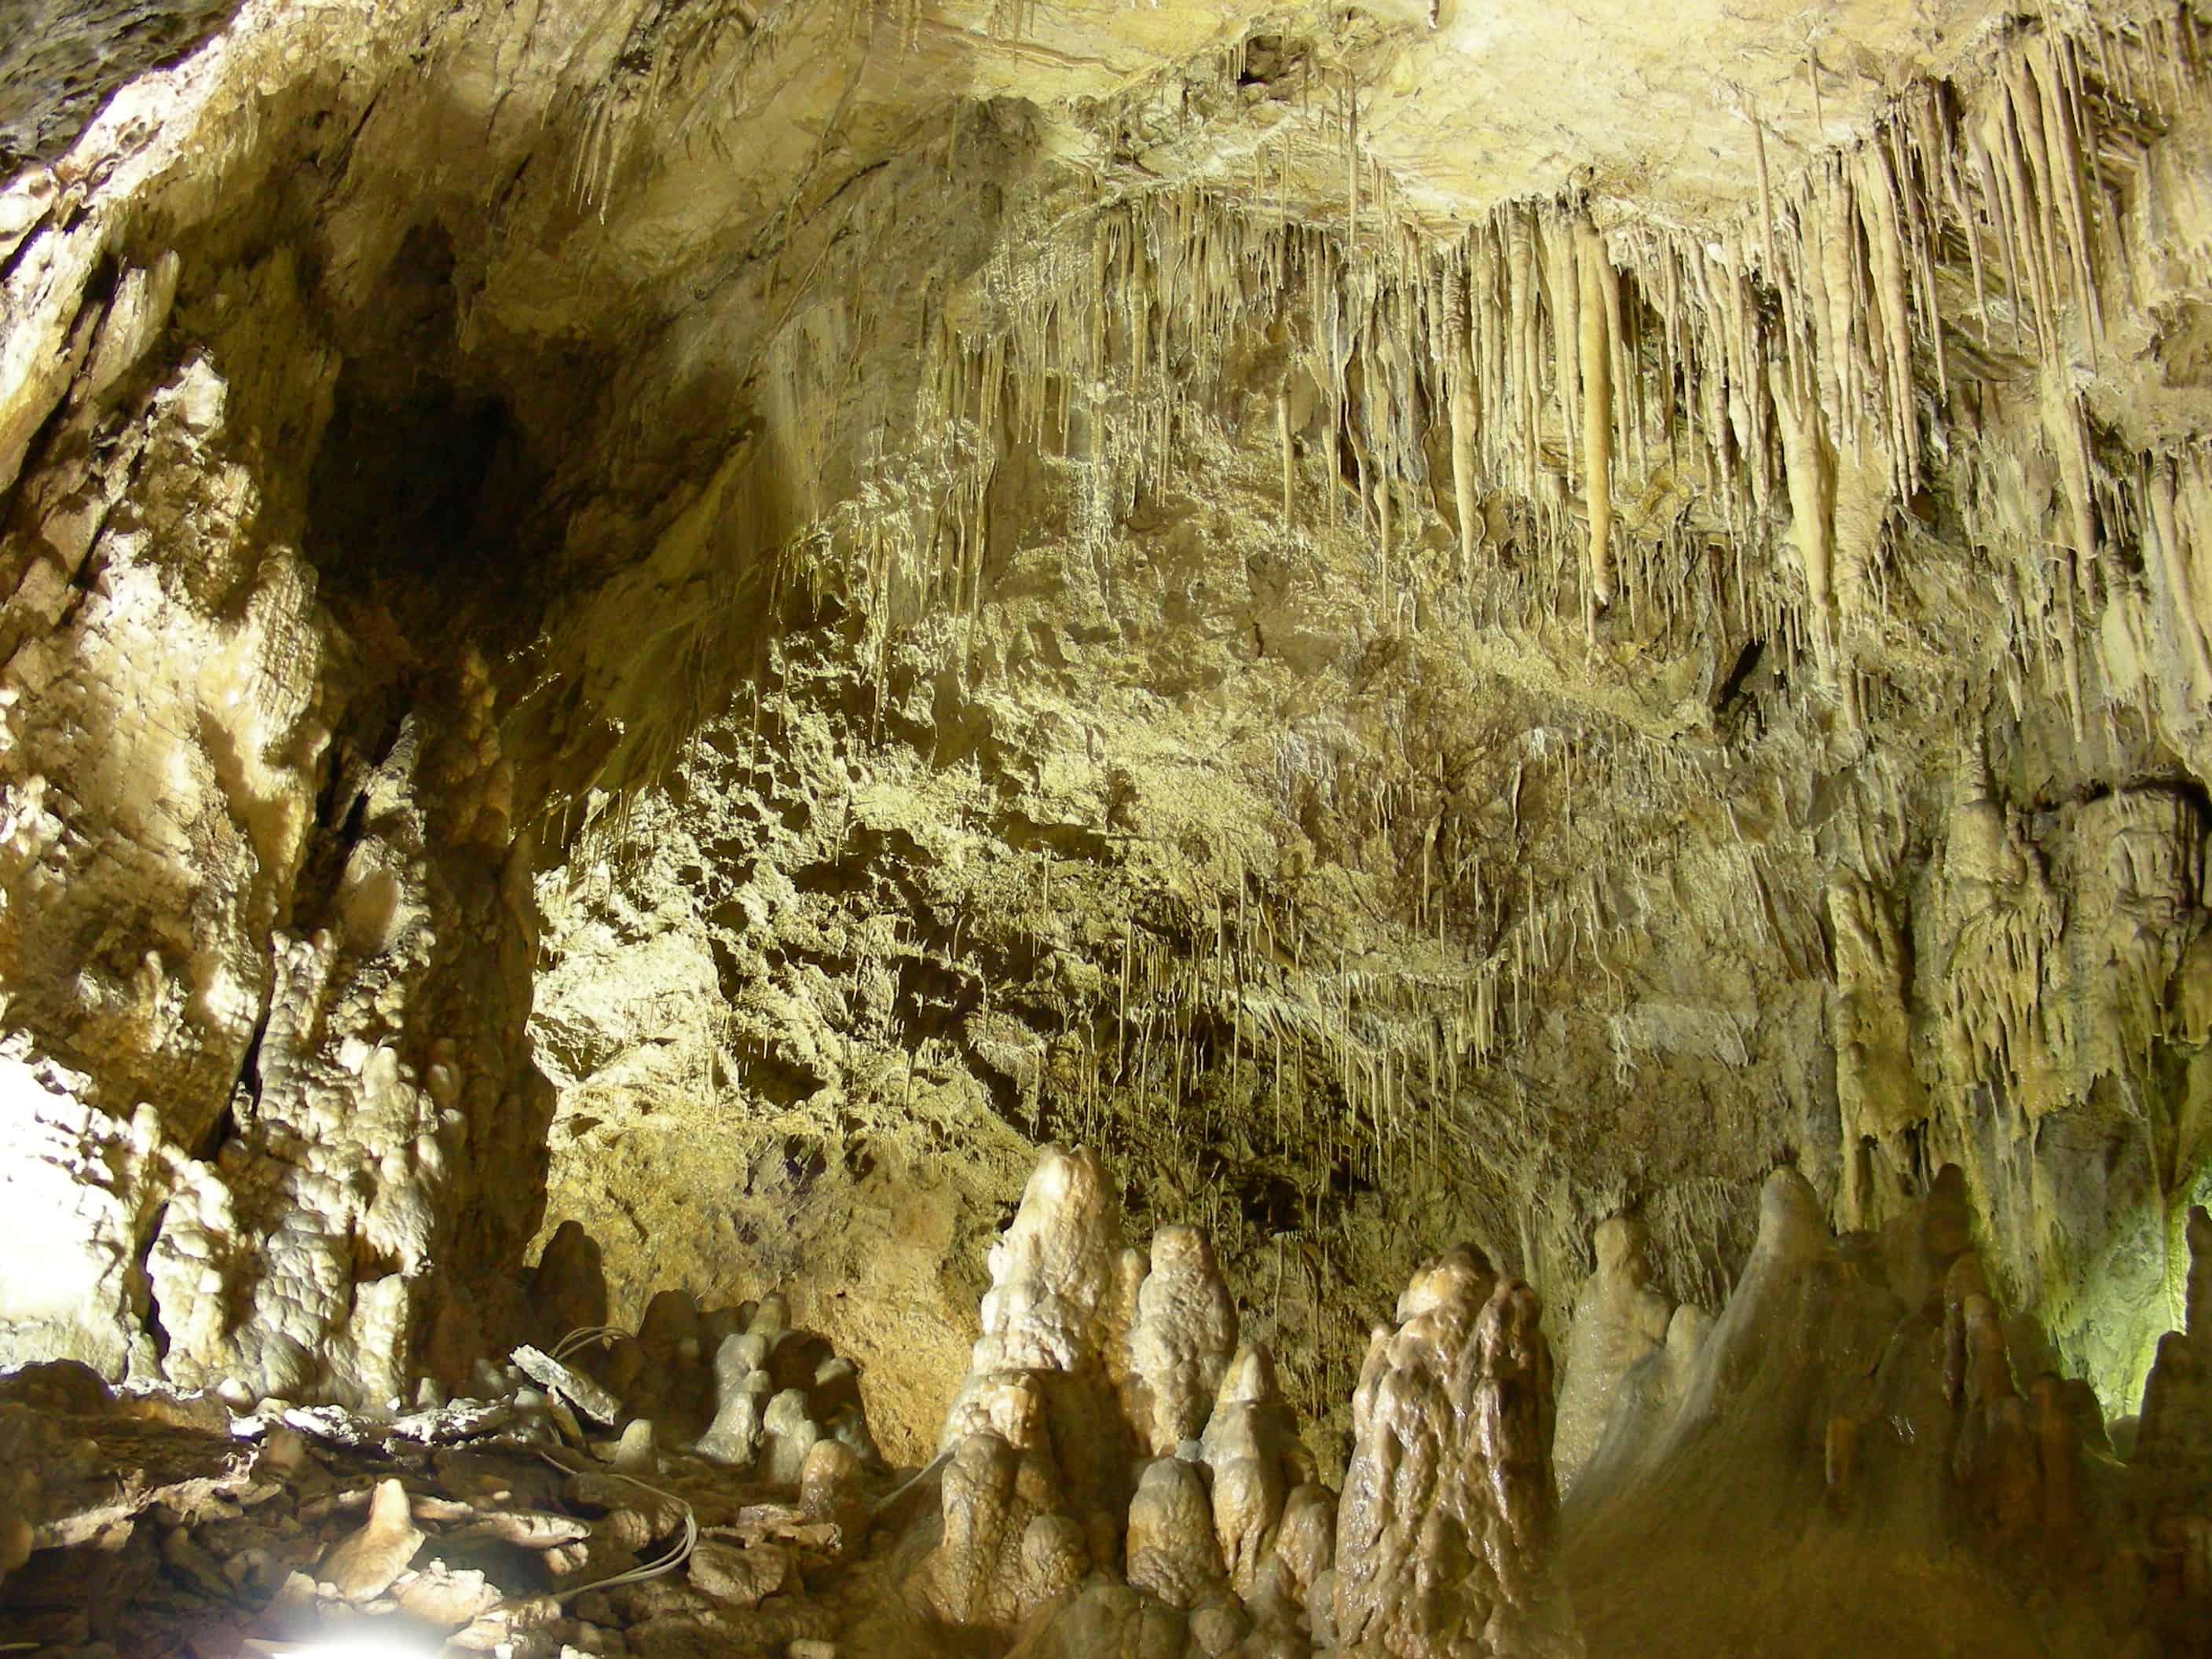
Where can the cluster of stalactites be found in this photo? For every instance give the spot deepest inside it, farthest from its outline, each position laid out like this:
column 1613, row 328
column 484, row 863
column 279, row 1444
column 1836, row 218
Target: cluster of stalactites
column 1676, row 424
column 1707, row 438
column 1629, row 392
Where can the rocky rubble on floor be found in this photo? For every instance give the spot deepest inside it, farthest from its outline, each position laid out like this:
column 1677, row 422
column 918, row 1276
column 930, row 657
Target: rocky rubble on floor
column 548, row 1513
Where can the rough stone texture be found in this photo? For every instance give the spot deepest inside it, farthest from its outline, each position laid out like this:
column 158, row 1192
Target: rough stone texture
column 60, row 58
column 1416, row 622
column 361, row 1567
column 1250, row 1444
column 1007, row 1547
column 917, row 758
column 1046, row 1372
column 1619, row 1319
column 1446, row 1531
column 2171, row 1451
column 1748, row 909
column 1171, row 1547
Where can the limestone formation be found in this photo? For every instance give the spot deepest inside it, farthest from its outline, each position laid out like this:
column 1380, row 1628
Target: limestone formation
column 1055, row 1277
column 743, row 1385
column 1862, row 1401
column 1618, row 1320
column 1447, row 1528
column 1007, row 1548
column 1822, row 1399
column 567, row 1287
column 788, row 1434
column 1043, row 1375
column 648, row 651
column 1764, row 377
column 1179, row 1340
column 1251, row 1447
column 363, row 1566
column 2171, row 1450
column 1172, row 1554
column 831, row 1489
column 741, row 1408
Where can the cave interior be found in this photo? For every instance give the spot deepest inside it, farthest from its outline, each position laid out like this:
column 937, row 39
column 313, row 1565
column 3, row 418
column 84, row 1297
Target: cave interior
column 1033, row 829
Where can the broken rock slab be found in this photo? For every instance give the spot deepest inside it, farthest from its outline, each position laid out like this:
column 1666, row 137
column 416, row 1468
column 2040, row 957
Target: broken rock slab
column 567, row 1383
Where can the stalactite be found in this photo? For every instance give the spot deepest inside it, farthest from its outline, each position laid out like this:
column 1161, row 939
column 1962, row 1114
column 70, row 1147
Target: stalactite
column 1885, row 242
column 2176, row 560
column 1810, row 473
column 2062, row 422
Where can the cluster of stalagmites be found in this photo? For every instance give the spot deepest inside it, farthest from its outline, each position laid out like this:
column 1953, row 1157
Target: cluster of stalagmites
column 1122, row 1475
column 1119, row 1474
column 740, row 1385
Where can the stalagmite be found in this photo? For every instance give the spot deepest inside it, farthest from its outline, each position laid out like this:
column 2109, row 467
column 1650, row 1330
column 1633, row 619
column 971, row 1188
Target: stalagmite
column 1172, row 1549
column 364, row 1565
column 1445, row 1530
column 1618, row 1320
column 1179, row 1340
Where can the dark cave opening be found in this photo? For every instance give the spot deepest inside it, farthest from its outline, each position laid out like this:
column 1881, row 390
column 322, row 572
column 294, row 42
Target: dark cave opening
column 425, row 492
column 417, row 489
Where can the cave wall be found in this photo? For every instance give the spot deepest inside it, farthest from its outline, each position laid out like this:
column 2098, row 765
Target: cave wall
column 1541, row 914
column 267, row 906
column 715, row 623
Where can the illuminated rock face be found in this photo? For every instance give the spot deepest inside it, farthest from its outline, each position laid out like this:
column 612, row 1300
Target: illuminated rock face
column 1448, row 1520
column 665, row 638
column 1862, row 1409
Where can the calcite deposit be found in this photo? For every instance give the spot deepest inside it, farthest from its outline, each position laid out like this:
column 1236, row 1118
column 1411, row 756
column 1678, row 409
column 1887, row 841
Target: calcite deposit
column 893, row 815
column 1446, row 1528
column 1618, row 1320
column 1861, row 1410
